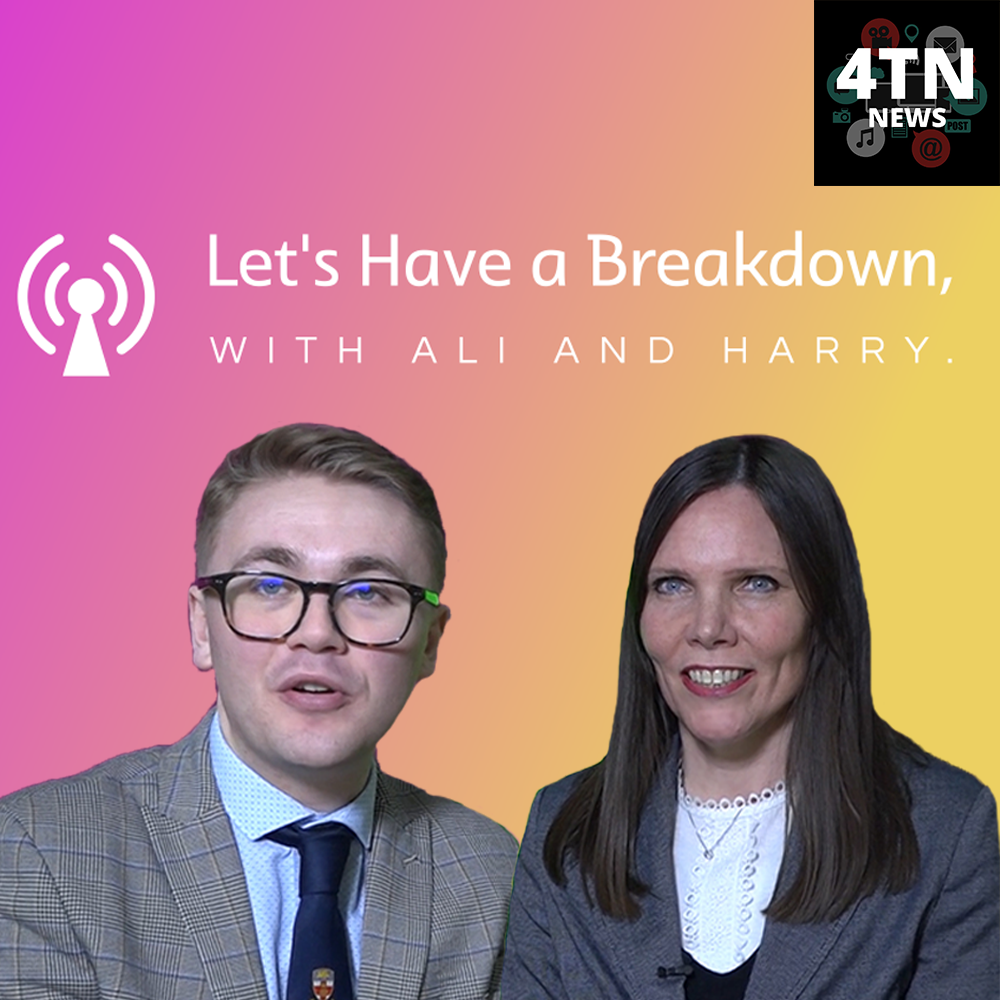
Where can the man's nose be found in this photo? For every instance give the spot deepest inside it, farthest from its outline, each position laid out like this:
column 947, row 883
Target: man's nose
column 317, row 630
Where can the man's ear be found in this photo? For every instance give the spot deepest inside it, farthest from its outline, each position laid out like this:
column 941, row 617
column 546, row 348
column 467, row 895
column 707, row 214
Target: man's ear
column 201, row 649
column 441, row 615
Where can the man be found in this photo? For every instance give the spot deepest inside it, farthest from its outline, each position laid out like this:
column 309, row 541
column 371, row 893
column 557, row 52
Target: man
column 265, row 856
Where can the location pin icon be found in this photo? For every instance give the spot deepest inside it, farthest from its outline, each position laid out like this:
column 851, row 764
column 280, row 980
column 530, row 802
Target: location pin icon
column 912, row 31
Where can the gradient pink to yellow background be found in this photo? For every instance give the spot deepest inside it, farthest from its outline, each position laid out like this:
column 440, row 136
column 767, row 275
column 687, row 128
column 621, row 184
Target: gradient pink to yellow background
column 519, row 127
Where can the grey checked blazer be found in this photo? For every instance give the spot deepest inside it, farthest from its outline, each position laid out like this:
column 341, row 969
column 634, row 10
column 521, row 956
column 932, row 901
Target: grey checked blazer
column 125, row 882
column 939, row 940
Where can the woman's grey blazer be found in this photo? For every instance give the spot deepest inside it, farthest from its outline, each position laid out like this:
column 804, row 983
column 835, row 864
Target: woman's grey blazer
column 939, row 940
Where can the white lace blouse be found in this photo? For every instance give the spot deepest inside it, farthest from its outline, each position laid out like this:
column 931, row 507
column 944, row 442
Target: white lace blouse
column 726, row 859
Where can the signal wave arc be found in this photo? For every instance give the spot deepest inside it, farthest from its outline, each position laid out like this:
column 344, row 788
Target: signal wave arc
column 24, row 283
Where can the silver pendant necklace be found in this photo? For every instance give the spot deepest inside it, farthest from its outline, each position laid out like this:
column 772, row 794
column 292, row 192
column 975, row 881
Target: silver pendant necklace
column 709, row 852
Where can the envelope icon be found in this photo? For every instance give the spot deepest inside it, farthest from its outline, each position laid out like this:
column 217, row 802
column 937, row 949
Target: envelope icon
column 947, row 42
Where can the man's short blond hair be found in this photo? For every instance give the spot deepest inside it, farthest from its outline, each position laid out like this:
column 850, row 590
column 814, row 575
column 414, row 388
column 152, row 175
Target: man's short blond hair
column 339, row 455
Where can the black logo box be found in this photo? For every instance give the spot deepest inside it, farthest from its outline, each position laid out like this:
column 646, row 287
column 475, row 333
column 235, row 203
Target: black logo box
column 975, row 155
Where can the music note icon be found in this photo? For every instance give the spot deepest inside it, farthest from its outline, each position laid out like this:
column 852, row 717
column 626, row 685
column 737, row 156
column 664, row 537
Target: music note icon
column 865, row 138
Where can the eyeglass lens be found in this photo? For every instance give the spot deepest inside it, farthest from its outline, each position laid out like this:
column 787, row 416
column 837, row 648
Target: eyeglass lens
column 366, row 611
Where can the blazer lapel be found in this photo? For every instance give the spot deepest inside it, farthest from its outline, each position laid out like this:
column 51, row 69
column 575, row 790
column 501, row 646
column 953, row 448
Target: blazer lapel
column 650, row 948
column 193, row 839
column 790, row 954
column 398, row 899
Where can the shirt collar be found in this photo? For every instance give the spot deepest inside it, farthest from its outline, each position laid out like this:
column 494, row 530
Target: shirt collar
column 258, row 808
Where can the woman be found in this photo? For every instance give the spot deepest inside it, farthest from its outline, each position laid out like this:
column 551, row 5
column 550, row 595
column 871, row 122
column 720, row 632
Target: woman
column 756, row 831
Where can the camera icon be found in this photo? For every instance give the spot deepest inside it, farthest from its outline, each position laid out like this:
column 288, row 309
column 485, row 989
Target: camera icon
column 842, row 117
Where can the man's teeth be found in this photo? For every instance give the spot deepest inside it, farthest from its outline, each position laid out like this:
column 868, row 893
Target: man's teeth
column 313, row 688
column 715, row 678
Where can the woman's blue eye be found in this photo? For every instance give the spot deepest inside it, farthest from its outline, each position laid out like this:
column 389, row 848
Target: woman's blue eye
column 270, row 586
column 761, row 584
column 669, row 585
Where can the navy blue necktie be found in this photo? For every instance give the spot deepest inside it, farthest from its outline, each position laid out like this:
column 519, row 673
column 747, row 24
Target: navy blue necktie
column 319, row 942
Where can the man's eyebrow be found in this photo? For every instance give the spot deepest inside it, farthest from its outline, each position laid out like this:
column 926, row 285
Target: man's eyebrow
column 360, row 564
column 289, row 559
column 276, row 554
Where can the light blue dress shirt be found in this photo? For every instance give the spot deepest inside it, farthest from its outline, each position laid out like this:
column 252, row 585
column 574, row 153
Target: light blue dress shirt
column 256, row 808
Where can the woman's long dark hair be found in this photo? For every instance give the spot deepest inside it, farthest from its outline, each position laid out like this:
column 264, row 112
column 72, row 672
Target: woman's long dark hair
column 849, row 801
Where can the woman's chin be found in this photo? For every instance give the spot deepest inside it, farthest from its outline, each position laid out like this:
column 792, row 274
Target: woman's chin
column 717, row 736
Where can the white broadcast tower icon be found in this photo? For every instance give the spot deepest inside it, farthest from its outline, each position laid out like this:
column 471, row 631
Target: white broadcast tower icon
column 85, row 354
column 85, row 298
